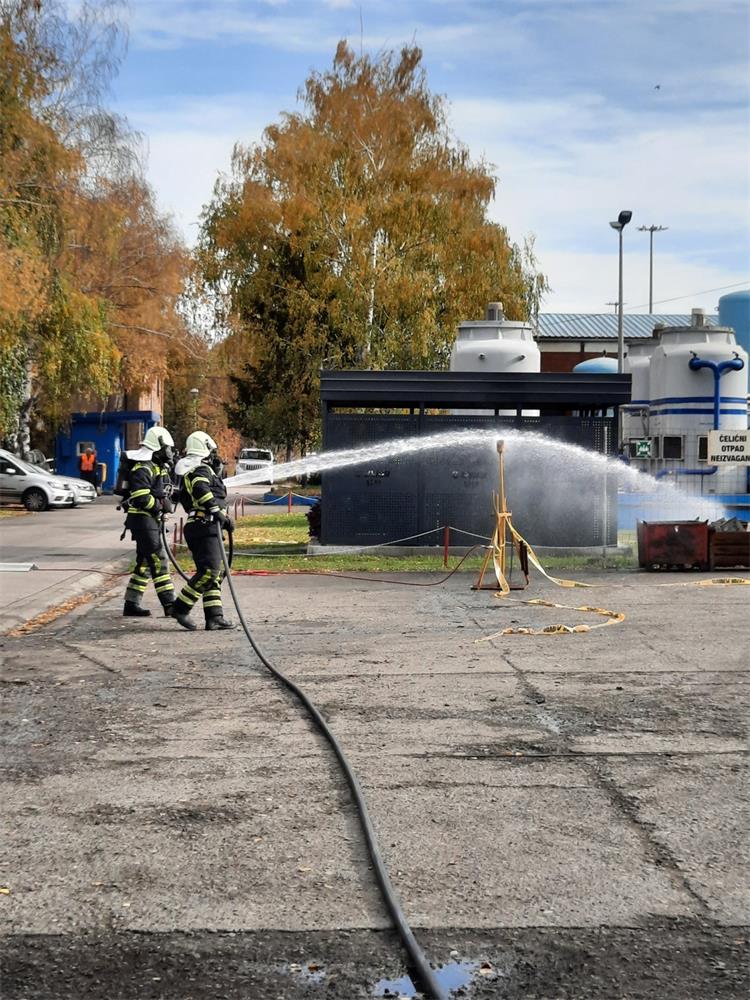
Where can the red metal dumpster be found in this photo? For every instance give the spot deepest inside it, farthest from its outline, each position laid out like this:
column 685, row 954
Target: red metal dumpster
column 673, row 544
column 729, row 548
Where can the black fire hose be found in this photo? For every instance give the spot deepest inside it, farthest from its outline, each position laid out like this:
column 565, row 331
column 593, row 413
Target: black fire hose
column 419, row 962
column 174, row 562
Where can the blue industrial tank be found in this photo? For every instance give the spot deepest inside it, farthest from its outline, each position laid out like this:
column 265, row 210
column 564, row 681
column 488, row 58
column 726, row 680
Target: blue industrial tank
column 734, row 311
column 597, row 366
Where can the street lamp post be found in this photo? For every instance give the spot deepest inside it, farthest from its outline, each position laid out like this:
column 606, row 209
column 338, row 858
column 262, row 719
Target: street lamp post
column 622, row 220
column 651, row 230
column 195, row 393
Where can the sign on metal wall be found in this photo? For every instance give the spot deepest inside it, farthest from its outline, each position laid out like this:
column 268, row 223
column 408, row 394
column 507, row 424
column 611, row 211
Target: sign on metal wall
column 730, row 447
column 643, row 448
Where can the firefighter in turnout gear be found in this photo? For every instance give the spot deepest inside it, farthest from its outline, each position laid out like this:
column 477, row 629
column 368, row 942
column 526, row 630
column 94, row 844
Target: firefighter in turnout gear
column 203, row 496
column 147, row 500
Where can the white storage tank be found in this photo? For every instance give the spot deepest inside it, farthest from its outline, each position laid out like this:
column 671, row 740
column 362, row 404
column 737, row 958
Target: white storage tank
column 634, row 416
column 495, row 344
column 698, row 381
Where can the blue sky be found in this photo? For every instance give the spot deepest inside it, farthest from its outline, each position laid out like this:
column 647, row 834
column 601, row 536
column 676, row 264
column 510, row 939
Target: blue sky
column 560, row 95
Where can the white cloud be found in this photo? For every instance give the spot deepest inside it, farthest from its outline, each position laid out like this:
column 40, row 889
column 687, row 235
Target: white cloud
column 190, row 143
column 556, row 181
column 586, row 282
column 314, row 27
column 566, row 166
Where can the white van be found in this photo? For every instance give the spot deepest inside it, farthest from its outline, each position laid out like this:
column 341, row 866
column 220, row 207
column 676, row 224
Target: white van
column 250, row 459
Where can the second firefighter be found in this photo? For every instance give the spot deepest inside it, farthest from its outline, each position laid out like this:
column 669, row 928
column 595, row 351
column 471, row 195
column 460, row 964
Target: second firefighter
column 203, row 495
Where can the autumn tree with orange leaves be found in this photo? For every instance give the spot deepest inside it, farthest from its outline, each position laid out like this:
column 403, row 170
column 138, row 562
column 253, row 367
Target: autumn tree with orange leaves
column 91, row 273
column 355, row 234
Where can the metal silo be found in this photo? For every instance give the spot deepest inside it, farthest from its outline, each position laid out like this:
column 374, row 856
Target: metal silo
column 698, row 381
column 734, row 311
column 495, row 344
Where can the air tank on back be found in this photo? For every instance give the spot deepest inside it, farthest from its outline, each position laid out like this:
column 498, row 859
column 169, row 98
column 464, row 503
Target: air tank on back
column 698, row 381
column 495, row 344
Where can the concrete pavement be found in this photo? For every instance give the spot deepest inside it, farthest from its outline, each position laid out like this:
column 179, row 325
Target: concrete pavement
column 76, row 551
column 562, row 816
column 70, row 547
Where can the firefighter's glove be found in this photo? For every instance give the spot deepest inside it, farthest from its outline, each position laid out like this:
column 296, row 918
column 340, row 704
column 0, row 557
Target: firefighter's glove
column 227, row 524
column 167, row 505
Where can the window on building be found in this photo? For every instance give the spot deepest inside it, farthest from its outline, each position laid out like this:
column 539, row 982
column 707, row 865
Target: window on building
column 671, row 446
column 703, row 448
column 655, row 449
column 83, row 445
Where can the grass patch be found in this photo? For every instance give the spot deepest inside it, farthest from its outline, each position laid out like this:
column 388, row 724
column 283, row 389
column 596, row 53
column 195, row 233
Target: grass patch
column 287, row 535
column 354, row 563
column 12, row 512
column 281, row 489
column 270, row 530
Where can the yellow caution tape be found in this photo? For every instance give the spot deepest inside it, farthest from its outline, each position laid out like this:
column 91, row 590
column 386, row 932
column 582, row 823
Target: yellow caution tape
column 559, row 628
column 534, row 558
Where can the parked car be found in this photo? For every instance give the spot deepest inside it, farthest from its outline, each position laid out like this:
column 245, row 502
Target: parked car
column 83, row 490
column 37, row 488
column 250, row 459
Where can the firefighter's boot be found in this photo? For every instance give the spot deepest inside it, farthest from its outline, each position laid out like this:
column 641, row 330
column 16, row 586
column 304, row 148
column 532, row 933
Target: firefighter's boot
column 215, row 624
column 133, row 610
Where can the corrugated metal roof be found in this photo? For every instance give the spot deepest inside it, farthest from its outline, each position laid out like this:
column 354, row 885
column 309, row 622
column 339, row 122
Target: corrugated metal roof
column 603, row 326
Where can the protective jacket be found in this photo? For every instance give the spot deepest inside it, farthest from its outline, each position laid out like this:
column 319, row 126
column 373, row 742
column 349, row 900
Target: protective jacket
column 148, row 497
column 149, row 492
column 203, row 494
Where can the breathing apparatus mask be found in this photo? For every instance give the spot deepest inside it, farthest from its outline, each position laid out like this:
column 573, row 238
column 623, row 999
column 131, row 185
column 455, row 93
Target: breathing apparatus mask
column 215, row 462
column 165, row 455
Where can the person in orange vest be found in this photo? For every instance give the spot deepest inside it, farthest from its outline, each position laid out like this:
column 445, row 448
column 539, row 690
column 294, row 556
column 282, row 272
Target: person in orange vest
column 87, row 467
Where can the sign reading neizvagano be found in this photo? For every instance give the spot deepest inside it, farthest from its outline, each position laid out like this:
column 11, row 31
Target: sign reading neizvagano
column 729, row 447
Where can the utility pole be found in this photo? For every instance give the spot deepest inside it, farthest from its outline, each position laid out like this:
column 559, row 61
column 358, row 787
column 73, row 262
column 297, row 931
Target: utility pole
column 651, row 230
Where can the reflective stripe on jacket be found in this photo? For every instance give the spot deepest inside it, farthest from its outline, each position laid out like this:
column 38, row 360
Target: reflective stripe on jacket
column 148, row 484
column 206, row 491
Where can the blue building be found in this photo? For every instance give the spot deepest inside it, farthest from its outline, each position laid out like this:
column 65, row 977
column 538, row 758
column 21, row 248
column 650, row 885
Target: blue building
column 105, row 432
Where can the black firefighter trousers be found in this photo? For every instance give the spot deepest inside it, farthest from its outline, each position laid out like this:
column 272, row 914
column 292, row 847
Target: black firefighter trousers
column 205, row 548
column 150, row 557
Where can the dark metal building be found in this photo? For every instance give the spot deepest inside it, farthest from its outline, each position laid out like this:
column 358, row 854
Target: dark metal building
column 402, row 495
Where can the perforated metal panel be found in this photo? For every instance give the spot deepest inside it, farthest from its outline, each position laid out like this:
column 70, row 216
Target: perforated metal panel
column 405, row 495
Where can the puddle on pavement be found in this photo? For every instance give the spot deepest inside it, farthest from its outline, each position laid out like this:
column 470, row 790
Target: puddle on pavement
column 452, row 975
column 310, row 972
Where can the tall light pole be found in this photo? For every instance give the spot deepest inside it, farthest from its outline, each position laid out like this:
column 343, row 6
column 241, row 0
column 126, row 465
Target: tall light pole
column 651, row 230
column 622, row 220
column 195, row 393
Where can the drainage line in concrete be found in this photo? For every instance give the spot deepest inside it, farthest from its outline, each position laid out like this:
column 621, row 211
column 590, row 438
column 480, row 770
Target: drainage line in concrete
column 421, row 966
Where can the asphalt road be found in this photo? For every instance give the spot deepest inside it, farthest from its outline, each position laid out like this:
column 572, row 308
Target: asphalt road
column 68, row 546
column 75, row 550
column 562, row 817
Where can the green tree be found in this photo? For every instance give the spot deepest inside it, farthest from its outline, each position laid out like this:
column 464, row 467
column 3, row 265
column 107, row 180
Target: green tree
column 355, row 233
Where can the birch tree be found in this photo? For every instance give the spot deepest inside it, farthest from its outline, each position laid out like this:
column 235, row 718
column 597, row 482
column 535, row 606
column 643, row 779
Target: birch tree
column 356, row 233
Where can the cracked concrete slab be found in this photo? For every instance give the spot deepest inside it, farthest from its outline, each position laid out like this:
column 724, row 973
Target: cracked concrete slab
column 555, row 804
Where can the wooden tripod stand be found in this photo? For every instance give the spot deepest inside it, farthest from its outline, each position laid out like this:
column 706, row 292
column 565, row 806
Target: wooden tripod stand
column 503, row 540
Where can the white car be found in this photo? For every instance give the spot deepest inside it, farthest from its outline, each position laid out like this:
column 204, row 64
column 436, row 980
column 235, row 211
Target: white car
column 83, row 491
column 250, row 459
column 37, row 488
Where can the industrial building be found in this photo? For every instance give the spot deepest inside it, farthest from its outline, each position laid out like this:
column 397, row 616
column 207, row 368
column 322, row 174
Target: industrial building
column 689, row 377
